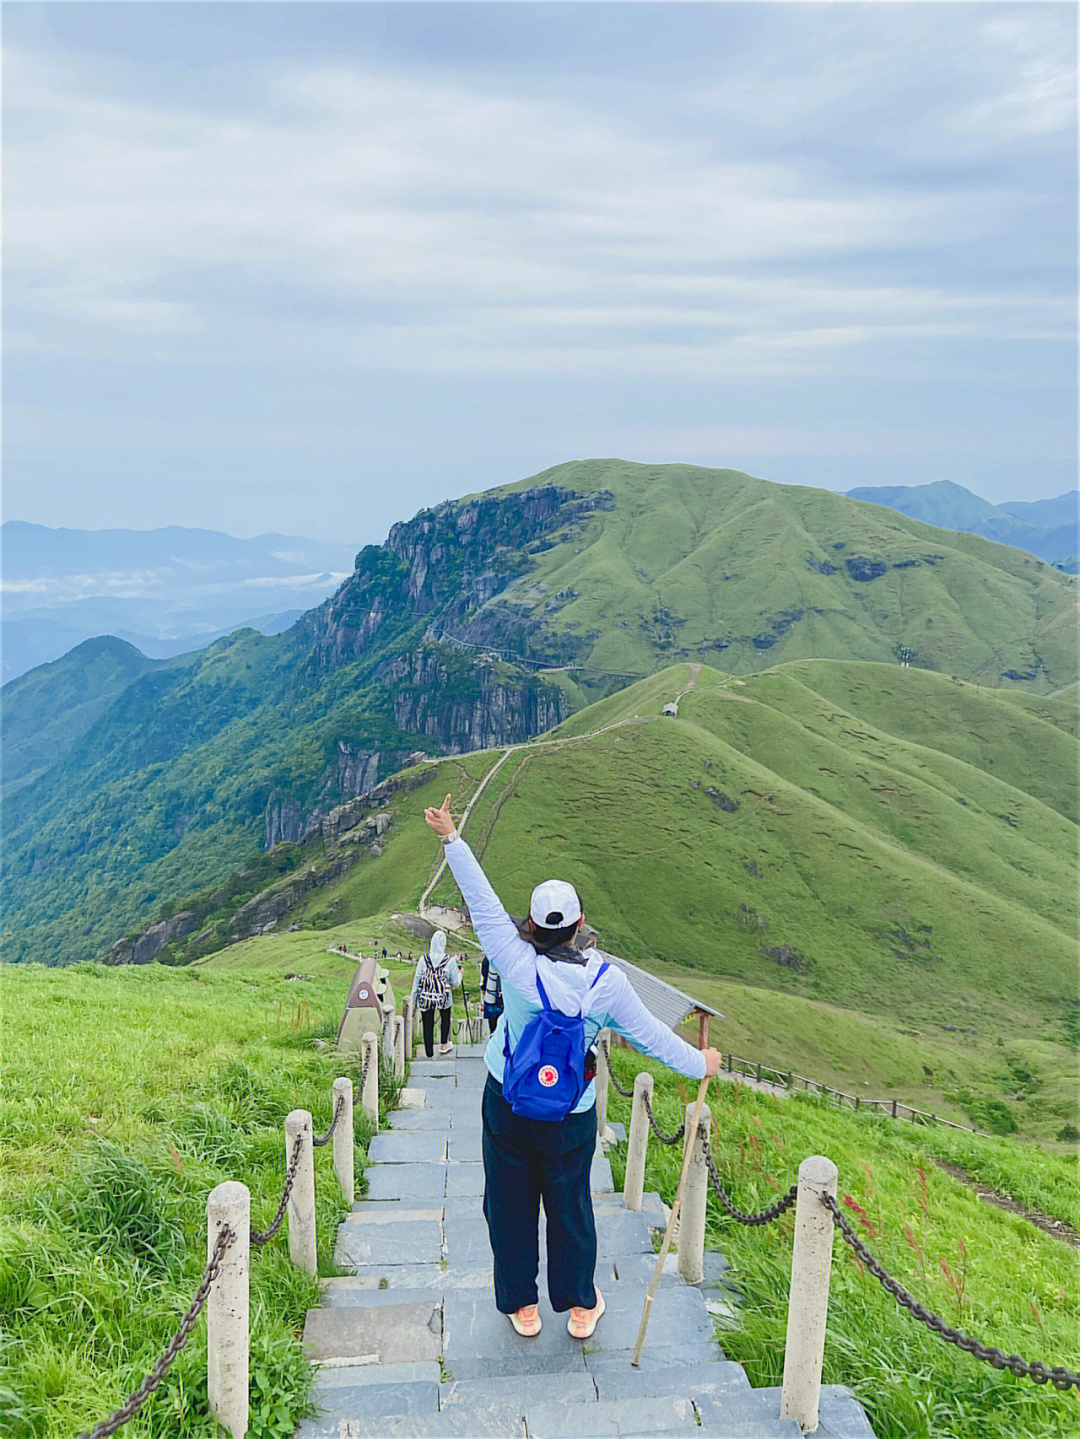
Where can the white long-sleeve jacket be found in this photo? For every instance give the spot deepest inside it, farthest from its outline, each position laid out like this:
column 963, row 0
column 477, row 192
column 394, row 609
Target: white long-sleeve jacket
column 610, row 1003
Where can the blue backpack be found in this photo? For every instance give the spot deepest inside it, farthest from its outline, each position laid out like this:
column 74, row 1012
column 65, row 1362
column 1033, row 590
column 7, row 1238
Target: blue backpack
column 544, row 1077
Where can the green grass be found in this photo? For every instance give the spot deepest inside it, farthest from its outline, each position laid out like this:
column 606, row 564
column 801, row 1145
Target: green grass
column 694, row 563
column 127, row 1095
column 162, row 782
column 1020, row 1286
column 930, row 944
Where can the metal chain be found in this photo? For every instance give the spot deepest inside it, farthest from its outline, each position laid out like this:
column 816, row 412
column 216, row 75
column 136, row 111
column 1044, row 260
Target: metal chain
column 135, row 1401
column 1040, row 1373
column 663, row 1138
column 275, row 1224
column 320, row 1140
column 763, row 1216
column 606, row 1052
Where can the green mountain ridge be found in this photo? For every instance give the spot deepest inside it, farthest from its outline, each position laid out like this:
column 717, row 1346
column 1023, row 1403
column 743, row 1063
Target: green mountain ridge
column 484, row 622
column 782, row 839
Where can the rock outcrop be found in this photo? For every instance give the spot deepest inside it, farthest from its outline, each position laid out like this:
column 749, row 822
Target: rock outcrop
column 145, row 947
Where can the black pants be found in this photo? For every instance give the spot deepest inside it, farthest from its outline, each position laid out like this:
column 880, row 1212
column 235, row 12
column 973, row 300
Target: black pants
column 427, row 1021
column 526, row 1160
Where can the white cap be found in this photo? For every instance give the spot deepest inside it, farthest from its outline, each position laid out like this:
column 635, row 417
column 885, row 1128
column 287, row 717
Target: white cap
column 554, row 904
column 437, row 947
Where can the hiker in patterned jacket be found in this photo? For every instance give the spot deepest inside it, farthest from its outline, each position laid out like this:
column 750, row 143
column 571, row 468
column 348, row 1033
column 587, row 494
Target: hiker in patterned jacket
column 437, row 976
column 539, row 1105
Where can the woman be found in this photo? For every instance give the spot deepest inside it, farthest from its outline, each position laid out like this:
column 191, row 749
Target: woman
column 437, row 976
column 529, row 1159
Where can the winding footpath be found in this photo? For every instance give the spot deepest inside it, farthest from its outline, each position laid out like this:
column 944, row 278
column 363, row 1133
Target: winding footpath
column 408, row 1344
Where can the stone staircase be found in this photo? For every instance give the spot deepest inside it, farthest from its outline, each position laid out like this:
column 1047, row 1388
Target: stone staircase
column 410, row 1343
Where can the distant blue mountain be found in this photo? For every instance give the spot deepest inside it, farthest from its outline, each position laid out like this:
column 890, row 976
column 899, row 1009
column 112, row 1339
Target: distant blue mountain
column 1047, row 528
column 164, row 591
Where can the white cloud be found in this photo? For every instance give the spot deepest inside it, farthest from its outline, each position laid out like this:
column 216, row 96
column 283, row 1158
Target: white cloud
column 484, row 230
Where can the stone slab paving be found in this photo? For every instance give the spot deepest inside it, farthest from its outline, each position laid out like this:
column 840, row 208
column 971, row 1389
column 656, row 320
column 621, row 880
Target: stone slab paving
column 612, row 1419
column 408, row 1343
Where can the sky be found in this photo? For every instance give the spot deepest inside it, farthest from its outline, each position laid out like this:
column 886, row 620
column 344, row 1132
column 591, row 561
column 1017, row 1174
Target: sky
column 310, row 267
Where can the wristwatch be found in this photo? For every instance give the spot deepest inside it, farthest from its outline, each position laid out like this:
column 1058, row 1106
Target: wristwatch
column 449, row 838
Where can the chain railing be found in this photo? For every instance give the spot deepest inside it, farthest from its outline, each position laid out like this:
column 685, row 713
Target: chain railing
column 1039, row 1373
column 135, row 1401
column 264, row 1236
column 675, row 1138
column 763, row 1216
column 226, row 1236
column 319, row 1140
column 612, row 1076
column 811, row 1261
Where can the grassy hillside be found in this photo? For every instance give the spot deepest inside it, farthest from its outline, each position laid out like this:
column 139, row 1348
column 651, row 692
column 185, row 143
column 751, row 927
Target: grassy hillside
column 720, row 566
column 931, row 1231
column 127, row 1095
column 864, row 903
column 478, row 622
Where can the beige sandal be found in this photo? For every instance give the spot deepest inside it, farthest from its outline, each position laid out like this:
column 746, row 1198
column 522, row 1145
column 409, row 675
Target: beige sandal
column 582, row 1322
column 526, row 1321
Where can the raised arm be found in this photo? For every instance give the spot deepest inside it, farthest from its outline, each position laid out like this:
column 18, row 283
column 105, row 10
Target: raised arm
column 507, row 952
column 651, row 1036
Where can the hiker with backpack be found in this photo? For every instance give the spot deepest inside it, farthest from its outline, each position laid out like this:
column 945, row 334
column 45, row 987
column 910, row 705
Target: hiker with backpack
column 538, row 1112
column 437, row 976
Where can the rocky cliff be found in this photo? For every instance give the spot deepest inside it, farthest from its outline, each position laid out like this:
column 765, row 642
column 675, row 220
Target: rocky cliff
column 442, row 568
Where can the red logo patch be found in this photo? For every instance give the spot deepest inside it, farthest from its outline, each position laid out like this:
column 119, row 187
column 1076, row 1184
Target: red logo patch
column 548, row 1075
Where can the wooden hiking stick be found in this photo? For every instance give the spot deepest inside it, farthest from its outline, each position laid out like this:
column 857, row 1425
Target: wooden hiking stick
column 635, row 1358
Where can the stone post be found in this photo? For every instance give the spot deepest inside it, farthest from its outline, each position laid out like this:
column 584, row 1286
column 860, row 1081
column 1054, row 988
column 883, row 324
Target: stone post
column 399, row 1047
column 369, row 1097
column 343, row 1139
column 637, row 1147
column 692, row 1213
column 227, row 1309
column 408, row 1014
column 808, row 1304
column 602, row 1079
column 302, row 1198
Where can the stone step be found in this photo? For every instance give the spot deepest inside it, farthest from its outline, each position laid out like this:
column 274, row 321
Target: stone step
column 840, row 1414
column 329, row 1376
column 495, row 1422
column 464, row 1180
column 754, row 1414
column 377, row 1298
column 519, row 1389
column 524, row 1361
column 678, row 1316
column 417, row 1241
column 376, row 1391
column 687, row 1381
column 426, row 1182
column 389, row 1211
column 415, row 1121
column 607, row 1420
column 656, row 1357
column 393, row 1334
column 392, row 1277
column 427, row 1147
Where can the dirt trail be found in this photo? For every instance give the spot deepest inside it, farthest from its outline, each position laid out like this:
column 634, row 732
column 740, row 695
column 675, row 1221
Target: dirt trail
column 1057, row 1227
column 531, row 747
